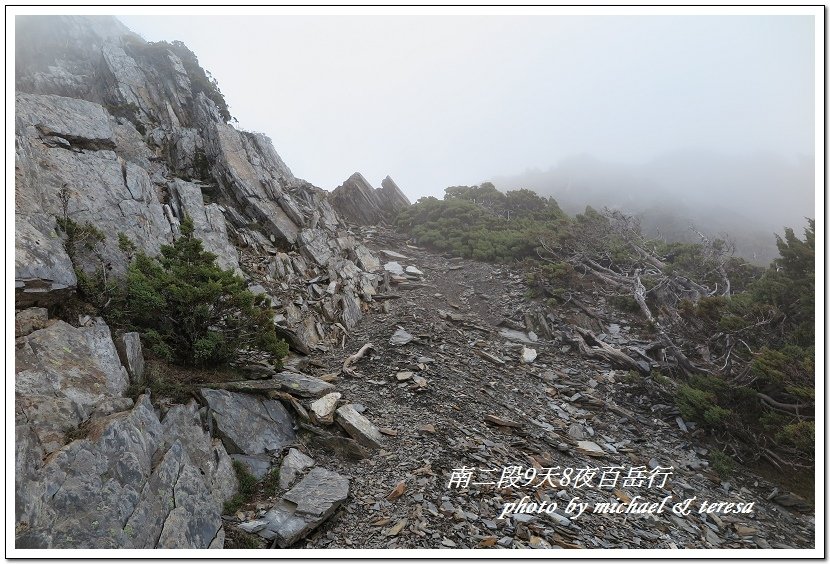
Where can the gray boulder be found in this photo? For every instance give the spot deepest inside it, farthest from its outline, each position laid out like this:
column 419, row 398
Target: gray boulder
column 249, row 424
column 360, row 428
column 305, row 507
column 63, row 374
column 131, row 355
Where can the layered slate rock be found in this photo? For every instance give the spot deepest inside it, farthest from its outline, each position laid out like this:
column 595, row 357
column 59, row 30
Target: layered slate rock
column 361, row 204
column 208, row 222
column 64, row 375
column 131, row 355
column 84, row 178
column 125, row 485
column 249, row 424
column 301, row 385
column 75, row 123
column 256, row 177
column 391, row 198
column 304, row 507
column 121, row 127
column 43, row 273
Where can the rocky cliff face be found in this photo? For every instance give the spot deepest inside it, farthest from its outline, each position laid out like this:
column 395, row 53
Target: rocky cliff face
column 131, row 137
column 361, row 204
column 128, row 136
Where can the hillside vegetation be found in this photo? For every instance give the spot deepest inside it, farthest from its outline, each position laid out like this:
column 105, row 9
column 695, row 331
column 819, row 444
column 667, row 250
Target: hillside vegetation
column 738, row 340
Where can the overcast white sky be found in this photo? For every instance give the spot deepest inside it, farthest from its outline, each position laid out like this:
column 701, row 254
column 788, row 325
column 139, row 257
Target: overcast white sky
column 436, row 101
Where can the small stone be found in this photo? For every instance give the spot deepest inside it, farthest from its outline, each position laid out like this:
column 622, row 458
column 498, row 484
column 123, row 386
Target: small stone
column 324, row 407
column 420, row 381
column 448, row 542
column 744, row 531
column 501, row 422
column 394, row 268
column 590, row 448
column 414, row 271
column 394, row 531
column 538, row 542
column 403, row 376
column 360, row 428
column 400, row 337
column 558, row 518
column 394, row 255
column 487, row 542
column 528, row 355
column 575, row 432
column 397, row 491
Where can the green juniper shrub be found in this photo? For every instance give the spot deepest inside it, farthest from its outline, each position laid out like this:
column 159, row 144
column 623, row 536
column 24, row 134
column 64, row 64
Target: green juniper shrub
column 721, row 463
column 481, row 223
column 192, row 312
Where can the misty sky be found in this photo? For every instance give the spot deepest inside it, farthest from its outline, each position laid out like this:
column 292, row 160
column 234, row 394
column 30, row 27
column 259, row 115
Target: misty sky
column 436, row 101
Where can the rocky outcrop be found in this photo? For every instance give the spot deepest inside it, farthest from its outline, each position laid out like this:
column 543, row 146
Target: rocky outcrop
column 208, row 221
column 391, row 198
column 131, row 137
column 92, row 470
column 125, row 139
column 64, row 375
column 67, row 167
column 361, row 204
column 123, row 486
column 43, row 273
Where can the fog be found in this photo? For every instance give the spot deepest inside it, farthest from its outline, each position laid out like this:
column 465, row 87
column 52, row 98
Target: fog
column 714, row 110
column 742, row 197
